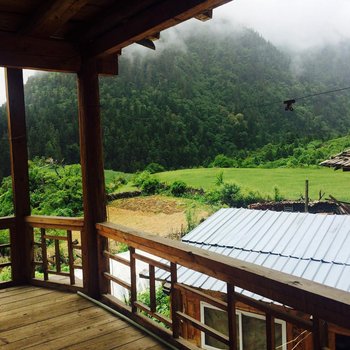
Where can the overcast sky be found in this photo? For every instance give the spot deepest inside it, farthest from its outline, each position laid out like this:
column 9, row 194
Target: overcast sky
column 294, row 24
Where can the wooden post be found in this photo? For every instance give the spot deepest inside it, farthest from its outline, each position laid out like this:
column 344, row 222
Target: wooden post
column 94, row 198
column 133, row 292
column 319, row 334
column 175, row 302
column 152, row 288
column 270, row 332
column 21, row 238
column 231, row 316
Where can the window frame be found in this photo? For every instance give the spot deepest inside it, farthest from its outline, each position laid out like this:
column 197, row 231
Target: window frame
column 239, row 313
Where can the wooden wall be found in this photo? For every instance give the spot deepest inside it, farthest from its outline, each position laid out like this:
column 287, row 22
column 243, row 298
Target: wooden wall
column 193, row 308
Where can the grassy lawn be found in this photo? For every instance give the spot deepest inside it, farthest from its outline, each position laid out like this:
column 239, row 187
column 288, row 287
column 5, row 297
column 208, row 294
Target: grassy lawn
column 111, row 174
column 290, row 182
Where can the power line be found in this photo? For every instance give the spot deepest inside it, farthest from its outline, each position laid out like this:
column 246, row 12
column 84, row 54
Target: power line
column 290, row 102
column 323, row 93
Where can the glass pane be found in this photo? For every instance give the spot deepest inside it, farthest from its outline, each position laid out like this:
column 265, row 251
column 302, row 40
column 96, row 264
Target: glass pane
column 216, row 319
column 342, row 342
column 278, row 334
column 253, row 332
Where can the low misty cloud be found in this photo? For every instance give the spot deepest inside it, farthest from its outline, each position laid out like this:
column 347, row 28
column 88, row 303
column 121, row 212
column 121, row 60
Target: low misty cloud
column 293, row 24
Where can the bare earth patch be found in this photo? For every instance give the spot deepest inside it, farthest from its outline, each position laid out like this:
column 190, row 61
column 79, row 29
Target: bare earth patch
column 159, row 215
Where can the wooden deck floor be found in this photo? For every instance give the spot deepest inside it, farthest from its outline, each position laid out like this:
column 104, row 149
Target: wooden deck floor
column 37, row 318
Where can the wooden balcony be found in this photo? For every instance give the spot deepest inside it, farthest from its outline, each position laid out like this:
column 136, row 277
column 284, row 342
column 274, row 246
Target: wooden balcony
column 47, row 35
column 316, row 308
column 41, row 318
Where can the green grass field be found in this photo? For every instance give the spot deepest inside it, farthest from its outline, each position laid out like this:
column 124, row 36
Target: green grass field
column 290, row 182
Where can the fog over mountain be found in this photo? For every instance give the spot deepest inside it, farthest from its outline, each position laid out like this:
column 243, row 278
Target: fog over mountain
column 294, row 25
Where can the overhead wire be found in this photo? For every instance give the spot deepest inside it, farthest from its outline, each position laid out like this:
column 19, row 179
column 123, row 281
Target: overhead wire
column 297, row 98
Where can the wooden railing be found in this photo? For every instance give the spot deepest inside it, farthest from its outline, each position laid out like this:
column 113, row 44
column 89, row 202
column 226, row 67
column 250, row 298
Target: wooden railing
column 6, row 230
column 316, row 304
column 56, row 251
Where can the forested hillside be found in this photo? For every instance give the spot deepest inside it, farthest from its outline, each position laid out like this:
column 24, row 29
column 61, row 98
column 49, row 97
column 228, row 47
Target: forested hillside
column 183, row 106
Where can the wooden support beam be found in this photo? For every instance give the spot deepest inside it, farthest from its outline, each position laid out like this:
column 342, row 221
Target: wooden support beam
column 231, row 316
column 108, row 65
column 162, row 15
column 19, row 51
column 21, row 252
column 109, row 19
column 205, row 16
column 51, row 15
column 175, row 302
column 319, row 334
column 270, row 332
column 91, row 155
column 25, row 52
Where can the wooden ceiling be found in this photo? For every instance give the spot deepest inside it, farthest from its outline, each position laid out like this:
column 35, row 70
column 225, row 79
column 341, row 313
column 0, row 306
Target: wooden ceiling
column 59, row 34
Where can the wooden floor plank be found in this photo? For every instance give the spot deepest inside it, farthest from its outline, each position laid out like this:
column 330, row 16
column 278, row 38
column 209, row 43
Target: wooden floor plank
column 21, row 300
column 15, row 290
column 40, row 312
column 85, row 334
column 144, row 343
column 37, row 318
column 44, row 330
column 109, row 339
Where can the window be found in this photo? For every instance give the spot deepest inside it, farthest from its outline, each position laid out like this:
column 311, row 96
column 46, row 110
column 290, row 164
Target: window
column 342, row 342
column 250, row 329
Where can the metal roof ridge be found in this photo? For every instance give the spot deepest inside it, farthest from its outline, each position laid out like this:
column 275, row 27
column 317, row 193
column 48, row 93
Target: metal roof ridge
column 267, row 253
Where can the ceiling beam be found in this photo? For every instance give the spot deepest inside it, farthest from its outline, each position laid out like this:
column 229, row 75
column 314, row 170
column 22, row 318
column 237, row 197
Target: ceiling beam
column 20, row 51
column 205, row 16
column 109, row 19
column 24, row 52
column 48, row 19
column 162, row 15
column 108, row 65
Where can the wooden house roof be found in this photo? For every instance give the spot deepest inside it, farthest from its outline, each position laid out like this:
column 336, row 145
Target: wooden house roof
column 339, row 161
column 59, row 34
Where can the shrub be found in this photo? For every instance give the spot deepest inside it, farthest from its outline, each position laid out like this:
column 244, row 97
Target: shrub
column 191, row 220
column 178, row 188
column 6, row 202
column 162, row 301
column 140, row 178
column 5, row 274
column 147, row 183
column 116, row 183
column 153, row 168
column 151, row 186
column 231, row 195
column 253, row 197
column 222, row 161
column 277, row 195
column 219, row 179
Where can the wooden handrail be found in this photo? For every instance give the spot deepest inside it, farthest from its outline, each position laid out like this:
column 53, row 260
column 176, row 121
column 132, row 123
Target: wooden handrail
column 326, row 303
column 52, row 223
column 7, row 222
column 55, row 222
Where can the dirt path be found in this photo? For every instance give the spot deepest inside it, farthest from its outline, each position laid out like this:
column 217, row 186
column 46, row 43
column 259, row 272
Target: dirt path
column 163, row 216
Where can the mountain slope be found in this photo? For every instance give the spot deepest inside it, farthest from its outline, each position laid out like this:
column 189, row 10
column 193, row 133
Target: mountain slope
column 183, row 106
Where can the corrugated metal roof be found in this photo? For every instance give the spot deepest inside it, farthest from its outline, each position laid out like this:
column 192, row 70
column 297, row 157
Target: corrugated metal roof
column 312, row 246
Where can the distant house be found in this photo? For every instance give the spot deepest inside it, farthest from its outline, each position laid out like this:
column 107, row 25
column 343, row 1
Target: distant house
column 339, row 161
column 312, row 246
